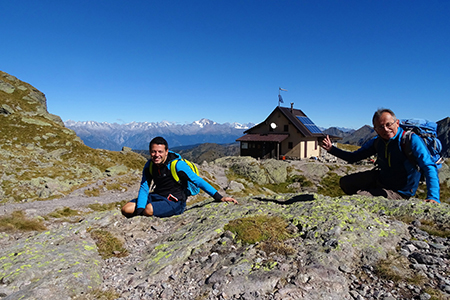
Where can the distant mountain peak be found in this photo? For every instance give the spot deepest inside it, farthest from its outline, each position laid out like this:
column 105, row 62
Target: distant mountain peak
column 204, row 122
column 137, row 135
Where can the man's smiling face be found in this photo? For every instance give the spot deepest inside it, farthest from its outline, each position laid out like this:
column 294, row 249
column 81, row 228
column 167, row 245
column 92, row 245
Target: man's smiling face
column 158, row 153
column 386, row 126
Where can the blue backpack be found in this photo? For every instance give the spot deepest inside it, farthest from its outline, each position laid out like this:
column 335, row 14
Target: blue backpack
column 427, row 130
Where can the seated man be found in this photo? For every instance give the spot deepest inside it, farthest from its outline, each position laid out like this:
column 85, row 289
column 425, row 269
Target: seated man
column 169, row 197
column 395, row 177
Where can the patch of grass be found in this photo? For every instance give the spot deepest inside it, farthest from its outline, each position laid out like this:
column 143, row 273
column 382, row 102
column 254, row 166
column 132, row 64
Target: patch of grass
column 259, row 229
column 441, row 230
column 283, row 187
column 107, row 244
column 329, row 185
column 435, row 294
column 302, row 179
column 444, row 193
column 64, row 213
column 114, row 186
column 396, row 268
column 347, row 147
column 92, row 192
column 17, row 221
column 253, row 189
column 107, row 206
column 197, row 198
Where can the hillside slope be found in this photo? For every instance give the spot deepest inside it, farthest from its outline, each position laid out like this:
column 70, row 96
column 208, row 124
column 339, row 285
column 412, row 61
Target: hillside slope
column 40, row 158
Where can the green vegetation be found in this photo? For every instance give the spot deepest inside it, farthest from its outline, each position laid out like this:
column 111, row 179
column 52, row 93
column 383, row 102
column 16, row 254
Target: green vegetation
column 107, row 244
column 441, row 230
column 17, row 221
column 202, row 196
column 259, row 228
column 444, row 193
column 283, row 187
column 396, row 268
column 254, row 188
column 347, row 147
column 64, row 213
column 92, row 192
column 40, row 150
column 107, row 206
column 329, row 186
column 269, row 231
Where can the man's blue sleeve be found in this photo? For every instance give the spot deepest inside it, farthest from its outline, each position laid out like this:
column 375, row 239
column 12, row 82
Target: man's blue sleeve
column 426, row 164
column 365, row 151
column 200, row 182
column 144, row 189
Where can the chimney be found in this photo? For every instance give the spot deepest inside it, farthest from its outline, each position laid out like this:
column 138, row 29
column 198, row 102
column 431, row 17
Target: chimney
column 292, row 107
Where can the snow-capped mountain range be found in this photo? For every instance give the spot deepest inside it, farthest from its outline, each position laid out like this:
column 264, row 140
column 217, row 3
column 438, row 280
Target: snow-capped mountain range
column 137, row 135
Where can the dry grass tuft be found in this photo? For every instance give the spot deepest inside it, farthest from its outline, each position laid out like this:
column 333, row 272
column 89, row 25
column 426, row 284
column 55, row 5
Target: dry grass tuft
column 107, row 206
column 107, row 244
column 17, row 221
column 260, row 228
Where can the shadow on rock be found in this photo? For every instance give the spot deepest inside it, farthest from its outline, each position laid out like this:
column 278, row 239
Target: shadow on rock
column 298, row 198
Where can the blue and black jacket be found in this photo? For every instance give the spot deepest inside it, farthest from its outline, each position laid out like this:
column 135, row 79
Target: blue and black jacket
column 165, row 184
column 397, row 172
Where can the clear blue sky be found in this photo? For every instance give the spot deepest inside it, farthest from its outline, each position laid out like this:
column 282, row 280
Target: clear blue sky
column 180, row 61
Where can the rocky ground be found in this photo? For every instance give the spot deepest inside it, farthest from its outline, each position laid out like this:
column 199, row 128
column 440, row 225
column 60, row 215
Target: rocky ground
column 339, row 248
column 420, row 253
column 76, row 200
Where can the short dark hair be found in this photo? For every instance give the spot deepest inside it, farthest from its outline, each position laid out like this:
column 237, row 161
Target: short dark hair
column 159, row 141
column 381, row 111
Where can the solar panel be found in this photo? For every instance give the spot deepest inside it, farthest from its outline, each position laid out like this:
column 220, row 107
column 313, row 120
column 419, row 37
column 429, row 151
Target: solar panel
column 309, row 124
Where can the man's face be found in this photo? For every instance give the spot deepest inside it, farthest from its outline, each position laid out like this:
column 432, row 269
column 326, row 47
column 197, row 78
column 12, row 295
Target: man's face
column 386, row 126
column 158, row 153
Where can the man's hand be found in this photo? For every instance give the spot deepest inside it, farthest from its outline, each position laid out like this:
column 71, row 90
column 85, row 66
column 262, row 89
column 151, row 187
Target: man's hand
column 138, row 211
column 229, row 199
column 431, row 201
column 326, row 143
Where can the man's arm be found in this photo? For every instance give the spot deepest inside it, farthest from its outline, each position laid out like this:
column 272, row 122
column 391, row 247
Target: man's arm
column 365, row 151
column 426, row 164
column 144, row 188
column 186, row 173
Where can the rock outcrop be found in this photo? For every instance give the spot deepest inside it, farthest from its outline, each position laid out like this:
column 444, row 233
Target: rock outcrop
column 443, row 135
column 39, row 158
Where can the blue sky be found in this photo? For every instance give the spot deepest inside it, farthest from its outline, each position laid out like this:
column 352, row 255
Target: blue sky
column 180, row 61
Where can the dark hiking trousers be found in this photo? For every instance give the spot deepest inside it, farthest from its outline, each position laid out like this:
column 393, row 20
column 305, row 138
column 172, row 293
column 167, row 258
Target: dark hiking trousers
column 367, row 184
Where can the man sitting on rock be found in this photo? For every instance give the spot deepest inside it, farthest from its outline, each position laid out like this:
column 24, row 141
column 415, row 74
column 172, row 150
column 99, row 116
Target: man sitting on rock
column 395, row 177
column 169, row 196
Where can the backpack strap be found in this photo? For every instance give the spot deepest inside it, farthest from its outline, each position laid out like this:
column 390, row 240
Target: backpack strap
column 405, row 144
column 173, row 169
column 149, row 173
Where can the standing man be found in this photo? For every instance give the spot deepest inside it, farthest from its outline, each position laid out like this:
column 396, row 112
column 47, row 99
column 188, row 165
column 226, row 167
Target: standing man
column 169, row 196
column 395, row 177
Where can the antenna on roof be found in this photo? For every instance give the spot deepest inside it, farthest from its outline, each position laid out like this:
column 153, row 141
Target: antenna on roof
column 280, row 99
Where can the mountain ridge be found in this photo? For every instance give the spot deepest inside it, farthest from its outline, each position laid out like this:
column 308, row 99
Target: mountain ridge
column 137, row 135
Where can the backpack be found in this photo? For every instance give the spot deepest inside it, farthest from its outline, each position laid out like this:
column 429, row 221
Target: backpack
column 191, row 188
column 427, row 130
